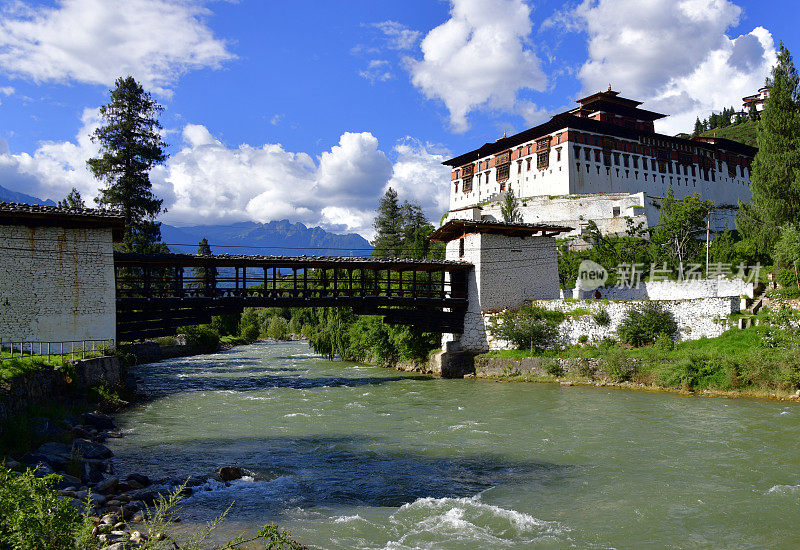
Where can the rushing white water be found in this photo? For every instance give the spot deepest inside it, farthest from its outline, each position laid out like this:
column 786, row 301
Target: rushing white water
column 352, row 456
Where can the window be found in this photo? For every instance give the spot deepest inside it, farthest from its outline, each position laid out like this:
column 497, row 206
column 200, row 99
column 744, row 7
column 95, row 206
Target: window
column 577, row 152
column 625, row 161
column 558, row 139
column 616, row 211
column 519, row 167
column 597, row 155
column 587, row 153
column 558, row 156
column 528, row 167
column 467, row 185
column 502, row 172
column 543, row 160
column 461, row 247
column 636, row 162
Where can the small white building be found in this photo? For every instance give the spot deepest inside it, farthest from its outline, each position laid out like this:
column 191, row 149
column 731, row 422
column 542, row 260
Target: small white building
column 57, row 274
column 513, row 264
column 601, row 161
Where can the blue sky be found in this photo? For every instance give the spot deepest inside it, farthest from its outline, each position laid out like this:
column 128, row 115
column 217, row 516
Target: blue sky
column 309, row 110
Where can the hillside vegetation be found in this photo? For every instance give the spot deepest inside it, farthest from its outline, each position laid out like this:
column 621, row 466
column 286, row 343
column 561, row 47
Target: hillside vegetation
column 744, row 132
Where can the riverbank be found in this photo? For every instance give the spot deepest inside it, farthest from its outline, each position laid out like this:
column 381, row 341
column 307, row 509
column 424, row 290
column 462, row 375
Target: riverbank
column 762, row 362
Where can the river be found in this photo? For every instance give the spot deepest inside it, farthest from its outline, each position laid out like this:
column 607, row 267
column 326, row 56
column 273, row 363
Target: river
column 353, row 456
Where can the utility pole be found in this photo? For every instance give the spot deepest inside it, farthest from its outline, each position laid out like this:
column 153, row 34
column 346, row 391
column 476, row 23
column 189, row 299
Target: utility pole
column 708, row 239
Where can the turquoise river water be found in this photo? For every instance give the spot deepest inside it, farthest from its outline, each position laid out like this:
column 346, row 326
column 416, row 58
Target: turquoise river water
column 354, row 456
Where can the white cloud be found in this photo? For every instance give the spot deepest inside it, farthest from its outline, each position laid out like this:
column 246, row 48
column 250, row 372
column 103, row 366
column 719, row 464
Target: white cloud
column 478, row 58
column 419, row 177
column 55, row 167
column 397, row 35
column 674, row 55
column 378, row 70
column 96, row 41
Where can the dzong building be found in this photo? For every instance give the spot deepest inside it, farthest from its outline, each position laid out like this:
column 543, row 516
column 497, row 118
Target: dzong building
column 601, row 161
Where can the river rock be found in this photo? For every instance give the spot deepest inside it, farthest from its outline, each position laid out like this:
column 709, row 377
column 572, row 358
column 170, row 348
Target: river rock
column 107, row 484
column 12, row 464
column 98, row 420
column 53, row 448
column 137, row 479
column 83, row 432
column 67, row 482
column 89, row 449
column 229, row 473
column 115, row 546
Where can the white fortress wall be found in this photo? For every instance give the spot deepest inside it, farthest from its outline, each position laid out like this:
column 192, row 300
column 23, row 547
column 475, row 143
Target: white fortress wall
column 58, row 285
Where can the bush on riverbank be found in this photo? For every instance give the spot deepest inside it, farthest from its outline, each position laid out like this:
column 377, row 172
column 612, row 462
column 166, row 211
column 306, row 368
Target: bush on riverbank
column 529, row 327
column 204, row 337
column 646, row 324
column 758, row 360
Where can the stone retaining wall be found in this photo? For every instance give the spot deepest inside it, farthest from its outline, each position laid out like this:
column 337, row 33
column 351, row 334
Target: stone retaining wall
column 48, row 385
column 672, row 290
column 706, row 317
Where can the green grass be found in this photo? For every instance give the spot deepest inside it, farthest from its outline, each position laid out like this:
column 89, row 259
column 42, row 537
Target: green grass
column 744, row 132
column 761, row 360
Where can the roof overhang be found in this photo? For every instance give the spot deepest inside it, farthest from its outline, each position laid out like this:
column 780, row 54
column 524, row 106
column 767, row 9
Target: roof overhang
column 34, row 215
column 455, row 229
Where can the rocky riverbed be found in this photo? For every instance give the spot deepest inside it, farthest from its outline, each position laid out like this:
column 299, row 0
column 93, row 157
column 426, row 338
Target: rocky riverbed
column 119, row 501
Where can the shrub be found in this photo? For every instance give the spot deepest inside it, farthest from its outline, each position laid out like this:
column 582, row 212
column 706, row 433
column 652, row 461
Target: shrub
column 278, row 328
column 586, row 369
column 32, row 515
column 250, row 333
column 203, row 336
column 664, row 343
column 602, row 318
column 226, row 325
column 530, row 327
column 619, row 366
column 553, row 367
column 643, row 325
column 583, row 338
column 249, row 317
column 295, row 327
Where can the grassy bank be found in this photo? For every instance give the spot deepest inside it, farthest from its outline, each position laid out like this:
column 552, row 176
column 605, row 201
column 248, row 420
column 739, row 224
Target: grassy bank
column 759, row 361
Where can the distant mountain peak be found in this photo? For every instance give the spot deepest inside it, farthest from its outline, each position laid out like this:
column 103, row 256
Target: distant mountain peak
column 7, row 195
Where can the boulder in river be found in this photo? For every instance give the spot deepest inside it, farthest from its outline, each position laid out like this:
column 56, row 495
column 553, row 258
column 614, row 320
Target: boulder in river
column 98, row 420
column 90, row 449
column 229, row 473
column 137, row 481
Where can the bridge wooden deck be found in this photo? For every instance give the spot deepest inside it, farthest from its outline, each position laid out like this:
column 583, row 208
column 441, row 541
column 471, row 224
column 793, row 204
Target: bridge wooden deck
column 157, row 293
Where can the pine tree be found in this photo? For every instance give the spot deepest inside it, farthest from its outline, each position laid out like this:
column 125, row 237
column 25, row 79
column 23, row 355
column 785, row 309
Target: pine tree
column 509, row 208
column 73, row 200
column 753, row 112
column 775, row 175
column 388, row 224
column 415, row 230
column 130, row 146
column 203, row 249
column 698, row 127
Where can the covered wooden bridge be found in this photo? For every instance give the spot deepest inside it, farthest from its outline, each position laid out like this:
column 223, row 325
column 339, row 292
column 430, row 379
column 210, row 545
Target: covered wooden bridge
column 157, row 293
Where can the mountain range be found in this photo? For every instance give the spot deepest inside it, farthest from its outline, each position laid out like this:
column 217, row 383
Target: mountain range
column 277, row 238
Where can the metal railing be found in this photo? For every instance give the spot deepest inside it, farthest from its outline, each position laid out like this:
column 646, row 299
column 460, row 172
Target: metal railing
column 75, row 349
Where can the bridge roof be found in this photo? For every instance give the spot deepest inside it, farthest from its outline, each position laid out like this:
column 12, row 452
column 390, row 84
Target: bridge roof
column 37, row 215
column 310, row 262
column 455, row 229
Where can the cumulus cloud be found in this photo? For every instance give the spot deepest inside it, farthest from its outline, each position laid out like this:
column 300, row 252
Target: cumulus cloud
column 55, row 167
column 96, row 41
column 418, row 176
column 209, row 182
column 478, row 59
column 674, row 55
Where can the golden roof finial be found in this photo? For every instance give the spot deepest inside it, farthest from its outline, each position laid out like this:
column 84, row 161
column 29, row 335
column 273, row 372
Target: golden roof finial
column 504, row 134
column 609, row 87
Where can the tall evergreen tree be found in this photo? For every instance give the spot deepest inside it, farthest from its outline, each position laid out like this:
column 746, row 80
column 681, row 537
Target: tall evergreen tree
column 130, row 146
column 698, row 127
column 775, row 175
column 203, row 249
column 415, row 230
column 73, row 200
column 388, row 224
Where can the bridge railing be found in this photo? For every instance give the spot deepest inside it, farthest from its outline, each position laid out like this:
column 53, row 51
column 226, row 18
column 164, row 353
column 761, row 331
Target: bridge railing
column 63, row 349
column 184, row 276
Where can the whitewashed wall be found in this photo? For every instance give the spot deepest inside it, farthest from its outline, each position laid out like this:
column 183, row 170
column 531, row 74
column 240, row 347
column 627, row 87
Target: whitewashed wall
column 58, row 286
column 674, row 290
column 509, row 271
column 705, row 317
